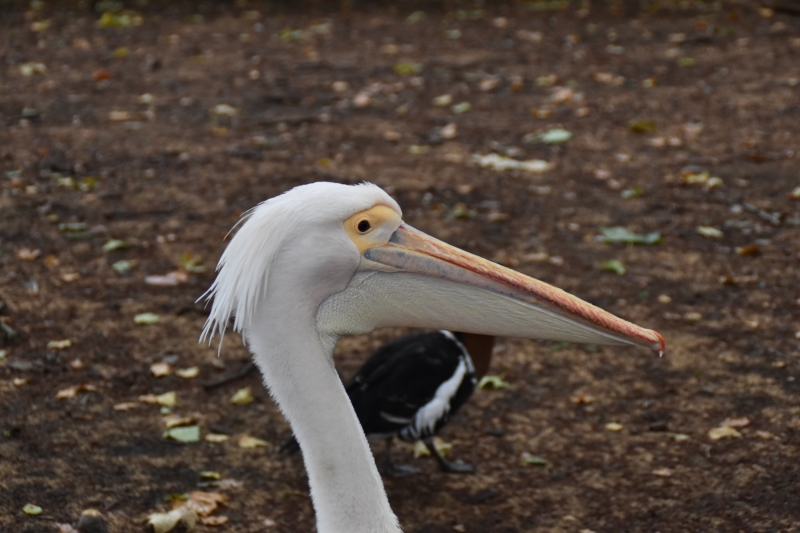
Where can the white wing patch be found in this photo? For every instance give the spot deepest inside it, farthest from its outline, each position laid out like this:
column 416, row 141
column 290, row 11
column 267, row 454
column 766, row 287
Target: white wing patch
column 429, row 414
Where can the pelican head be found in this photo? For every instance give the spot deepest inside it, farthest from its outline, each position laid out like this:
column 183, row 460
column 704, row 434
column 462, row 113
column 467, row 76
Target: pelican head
column 324, row 260
column 349, row 255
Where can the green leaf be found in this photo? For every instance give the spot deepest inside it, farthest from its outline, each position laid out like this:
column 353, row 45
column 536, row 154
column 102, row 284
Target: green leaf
column 461, row 108
column 613, row 265
column 636, row 192
column 687, row 61
column 495, row 382
column 642, row 126
column 623, row 235
column 123, row 266
column 183, row 434
column 415, row 17
column 406, row 68
column 114, row 244
column 146, row 319
column 555, row 136
column 32, row 510
column 192, row 263
column 710, row 232
column 533, row 460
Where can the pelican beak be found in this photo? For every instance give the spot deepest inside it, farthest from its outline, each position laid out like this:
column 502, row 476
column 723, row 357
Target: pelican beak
column 416, row 280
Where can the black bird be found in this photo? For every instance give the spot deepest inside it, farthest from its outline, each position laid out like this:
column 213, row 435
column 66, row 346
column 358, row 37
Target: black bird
column 412, row 386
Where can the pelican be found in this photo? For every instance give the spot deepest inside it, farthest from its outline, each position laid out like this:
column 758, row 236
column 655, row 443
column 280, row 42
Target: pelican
column 412, row 386
column 325, row 260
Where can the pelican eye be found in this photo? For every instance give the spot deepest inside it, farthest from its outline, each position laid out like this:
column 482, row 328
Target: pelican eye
column 364, row 226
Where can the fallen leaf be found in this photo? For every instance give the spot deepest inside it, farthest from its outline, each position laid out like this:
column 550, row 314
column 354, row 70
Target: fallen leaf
column 628, row 194
column 723, row 432
column 202, row 503
column 160, row 369
column 582, row 398
column 614, row 426
column 407, row 68
column 168, row 399
column 192, row 263
column 168, row 280
column 28, row 254
column 443, row 100
column 125, row 406
column 165, row 522
column 269, row 522
column 214, row 520
column 31, row 509
column 750, row 249
column 30, row 68
column 554, row 136
column 225, row 110
column 693, row 316
column 710, row 232
column 71, row 392
column 680, row 437
column 66, row 528
column 19, row 382
column 209, row 474
column 114, row 244
column 740, row 422
column 122, row 266
column 623, row 235
column 242, row 397
column 642, row 126
column 120, row 116
column 533, row 460
column 613, row 265
column 500, row 163
column 188, row 373
column 185, row 434
column 495, row 382
column 795, row 194
column 662, row 472
column 122, row 19
column 461, row 108
column 59, row 345
column 252, row 442
column 171, row 421
column 216, row 437
column 146, row 319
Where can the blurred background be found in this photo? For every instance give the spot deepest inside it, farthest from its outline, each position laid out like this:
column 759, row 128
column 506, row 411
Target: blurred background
column 642, row 155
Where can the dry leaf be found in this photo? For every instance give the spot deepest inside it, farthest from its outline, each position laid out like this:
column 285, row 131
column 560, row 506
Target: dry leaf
column 202, row 503
column 188, row 373
column 662, row 472
column 168, row 399
column 172, row 421
column 125, row 406
column 214, row 520
column 740, row 422
column 168, row 280
column 614, row 426
column 242, row 397
column 252, row 442
column 582, row 398
column 165, row 522
column 59, row 345
column 216, row 437
column 723, row 432
column 70, row 392
column 160, row 369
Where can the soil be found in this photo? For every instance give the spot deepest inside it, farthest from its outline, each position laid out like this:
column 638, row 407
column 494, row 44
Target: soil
column 86, row 158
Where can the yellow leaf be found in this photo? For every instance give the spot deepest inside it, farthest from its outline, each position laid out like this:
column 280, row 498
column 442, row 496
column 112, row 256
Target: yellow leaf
column 188, row 373
column 216, row 437
column 168, row 399
column 242, row 397
column 252, row 442
column 723, row 432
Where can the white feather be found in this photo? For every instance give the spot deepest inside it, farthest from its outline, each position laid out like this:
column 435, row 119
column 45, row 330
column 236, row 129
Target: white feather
column 243, row 269
column 429, row 414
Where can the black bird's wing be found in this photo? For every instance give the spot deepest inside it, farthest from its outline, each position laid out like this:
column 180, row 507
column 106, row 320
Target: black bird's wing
column 412, row 385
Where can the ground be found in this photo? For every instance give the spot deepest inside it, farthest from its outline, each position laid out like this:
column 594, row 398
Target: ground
column 684, row 122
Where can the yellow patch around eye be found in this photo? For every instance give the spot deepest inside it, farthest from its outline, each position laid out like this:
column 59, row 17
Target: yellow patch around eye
column 363, row 228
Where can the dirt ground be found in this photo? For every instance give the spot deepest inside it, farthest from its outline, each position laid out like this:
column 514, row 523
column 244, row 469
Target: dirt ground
column 161, row 134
